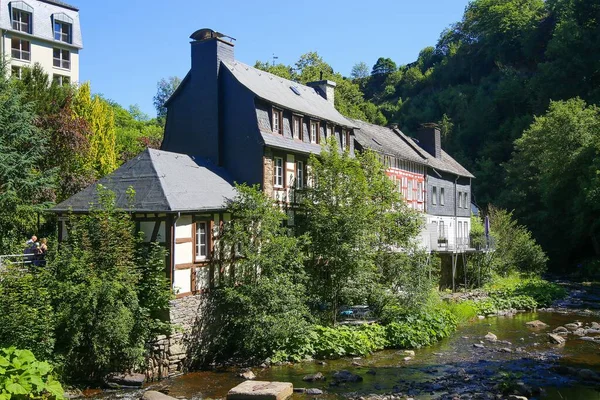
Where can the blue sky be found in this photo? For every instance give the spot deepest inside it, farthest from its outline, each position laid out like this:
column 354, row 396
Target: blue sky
column 130, row 44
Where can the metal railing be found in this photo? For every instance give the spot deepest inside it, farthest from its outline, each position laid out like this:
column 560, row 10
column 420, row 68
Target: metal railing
column 21, row 54
column 61, row 63
column 22, row 260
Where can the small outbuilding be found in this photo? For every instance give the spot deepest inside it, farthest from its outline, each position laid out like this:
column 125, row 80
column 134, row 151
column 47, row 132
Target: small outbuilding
column 179, row 201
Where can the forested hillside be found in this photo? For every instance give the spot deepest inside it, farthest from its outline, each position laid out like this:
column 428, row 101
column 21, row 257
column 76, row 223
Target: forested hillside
column 485, row 81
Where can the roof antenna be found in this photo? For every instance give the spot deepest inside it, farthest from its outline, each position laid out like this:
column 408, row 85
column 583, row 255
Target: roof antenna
column 275, row 58
column 321, row 76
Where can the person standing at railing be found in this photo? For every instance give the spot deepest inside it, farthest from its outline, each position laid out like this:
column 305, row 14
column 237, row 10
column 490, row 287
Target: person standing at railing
column 40, row 256
column 30, row 248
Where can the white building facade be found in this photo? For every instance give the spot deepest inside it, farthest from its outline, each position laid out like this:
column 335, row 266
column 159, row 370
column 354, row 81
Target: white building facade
column 46, row 32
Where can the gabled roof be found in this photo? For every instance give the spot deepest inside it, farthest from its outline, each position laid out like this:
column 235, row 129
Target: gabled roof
column 279, row 91
column 163, row 182
column 395, row 142
column 61, row 3
column 386, row 141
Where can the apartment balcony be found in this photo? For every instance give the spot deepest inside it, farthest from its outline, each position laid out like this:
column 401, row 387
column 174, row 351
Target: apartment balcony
column 60, row 63
column 21, row 55
column 444, row 243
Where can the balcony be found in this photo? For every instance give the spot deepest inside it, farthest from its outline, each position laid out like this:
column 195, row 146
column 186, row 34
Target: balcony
column 61, row 63
column 444, row 243
column 21, row 55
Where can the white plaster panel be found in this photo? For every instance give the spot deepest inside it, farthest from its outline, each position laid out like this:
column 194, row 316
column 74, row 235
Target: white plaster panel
column 182, row 281
column 184, row 227
column 184, row 253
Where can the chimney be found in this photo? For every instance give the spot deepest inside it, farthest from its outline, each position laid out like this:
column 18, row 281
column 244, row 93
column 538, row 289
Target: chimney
column 325, row 88
column 202, row 137
column 430, row 139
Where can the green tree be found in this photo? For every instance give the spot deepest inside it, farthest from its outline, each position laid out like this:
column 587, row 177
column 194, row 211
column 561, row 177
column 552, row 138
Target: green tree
column 383, row 66
column 360, row 71
column 164, row 89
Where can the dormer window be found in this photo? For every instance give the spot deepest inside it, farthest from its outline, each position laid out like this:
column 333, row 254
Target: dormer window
column 314, row 132
column 22, row 17
column 63, row 28
column 277, row 121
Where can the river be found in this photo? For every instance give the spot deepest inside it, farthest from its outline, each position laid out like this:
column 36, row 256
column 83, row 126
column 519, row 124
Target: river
column 522, row 357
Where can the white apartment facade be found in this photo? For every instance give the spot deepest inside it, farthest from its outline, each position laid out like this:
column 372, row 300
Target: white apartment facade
column 47, row 32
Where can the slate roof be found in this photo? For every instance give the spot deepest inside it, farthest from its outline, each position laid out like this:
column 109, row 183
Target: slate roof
column 395, row 142
column 278, row 91
column 163, row 182
column 61, row 3
column 282, row 143
column 385, row 140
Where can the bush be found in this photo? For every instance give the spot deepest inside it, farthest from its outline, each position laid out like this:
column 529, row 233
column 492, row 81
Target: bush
column 23, row 377
column 543, row 292
column 26, row 313
column 421, row 330
column 344, row 341
column 463, row 311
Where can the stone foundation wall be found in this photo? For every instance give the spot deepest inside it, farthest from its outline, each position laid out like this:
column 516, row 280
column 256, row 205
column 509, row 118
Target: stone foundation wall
column 169, row 353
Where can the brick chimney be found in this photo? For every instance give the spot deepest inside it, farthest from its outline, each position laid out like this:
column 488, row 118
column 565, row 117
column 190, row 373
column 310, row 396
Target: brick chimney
column 430, row 139
column 325, row 88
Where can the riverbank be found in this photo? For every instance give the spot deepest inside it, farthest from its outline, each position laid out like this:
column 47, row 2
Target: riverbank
column 521, row 357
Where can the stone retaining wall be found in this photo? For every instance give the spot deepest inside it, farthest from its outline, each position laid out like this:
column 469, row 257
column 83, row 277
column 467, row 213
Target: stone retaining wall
column 169, row 353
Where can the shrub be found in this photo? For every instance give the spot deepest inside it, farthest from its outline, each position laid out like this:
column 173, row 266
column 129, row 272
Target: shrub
column 463, row 311
column 543, row 292
column 348, row 341
column 23, row 377
column 421, row 330
column 26, row 314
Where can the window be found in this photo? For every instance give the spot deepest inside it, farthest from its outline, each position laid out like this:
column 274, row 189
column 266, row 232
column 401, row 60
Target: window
column 442, row 232
column 466, row 229
column 296, row 128
column 344, row 139
column 62, row 58
column 420, row 191
column 434, row 195
column 410, row 190
column 466, row 202
column 278, row 172
column 460, row 231
column 21, row 49
column 405, row 188
column 21, row 20
column 314, row 132
column 277, row 121
column 61, row 79
column 62, row 31
column 460, row 200
column 442, row 197
column 201, row 240
column 329, row 131
column 299, row 175
column 15, row 72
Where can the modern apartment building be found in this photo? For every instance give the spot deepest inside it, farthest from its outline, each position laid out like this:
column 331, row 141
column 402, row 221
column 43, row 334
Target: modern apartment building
column 47, row 32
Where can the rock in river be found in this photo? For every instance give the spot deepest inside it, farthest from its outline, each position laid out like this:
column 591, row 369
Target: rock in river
column 154, row 395
column 126, row 380
column 536, row 324
column 257, row 390
column 573, row 326
column 313, row 377
column 556, row 339
column 346, row 376
column 248, row 375
column 490, row 337
column 561, row 329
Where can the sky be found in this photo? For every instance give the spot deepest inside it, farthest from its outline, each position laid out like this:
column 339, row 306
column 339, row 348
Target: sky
column 129, row 45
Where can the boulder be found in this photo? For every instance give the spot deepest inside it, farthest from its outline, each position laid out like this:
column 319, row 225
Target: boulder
column 579, row 332
column 259, row 390
column 154, row 395
column 490, row 337
column 505, row 350
column 556, row 339
column 313, row 377
column 591, row 331
column 409, row 353
column 588, row 375
column 478, row 345
column 573, row 325
column 515, row 397
column 561, row 329
column 346, row 376
column 588, row 338
column 407, row 358
column 125, row 380
column 248, row 375
column 595, row 325
column 536, row 324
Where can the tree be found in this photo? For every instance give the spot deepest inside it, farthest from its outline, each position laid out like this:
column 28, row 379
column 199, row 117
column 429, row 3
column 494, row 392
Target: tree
column 383, row 66
column 360, row 71
column 352, row 215
column 164, row 90
column 24, row 188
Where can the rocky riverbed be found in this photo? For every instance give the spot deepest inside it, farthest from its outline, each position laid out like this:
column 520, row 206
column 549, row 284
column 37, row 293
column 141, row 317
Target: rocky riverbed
column 492, row 358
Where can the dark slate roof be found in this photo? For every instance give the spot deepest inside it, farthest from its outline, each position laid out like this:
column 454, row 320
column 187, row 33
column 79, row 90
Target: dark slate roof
column 395, row 142
column 386, row 141
column 61, row 3
column 278, row 91
column 163, row 182
column 279, row 142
